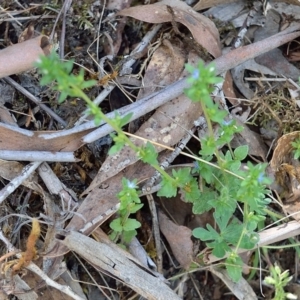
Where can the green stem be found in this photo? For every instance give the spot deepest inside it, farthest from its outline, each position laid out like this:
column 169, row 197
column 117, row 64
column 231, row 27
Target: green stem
column 119, row 131
column 211, row 132
column 240, row 239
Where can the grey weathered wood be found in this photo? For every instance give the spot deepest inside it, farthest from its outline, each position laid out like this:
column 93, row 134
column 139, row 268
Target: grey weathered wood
column 112, row 260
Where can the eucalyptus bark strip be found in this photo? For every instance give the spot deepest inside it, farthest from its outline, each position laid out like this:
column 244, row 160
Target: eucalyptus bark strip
column 110, row 259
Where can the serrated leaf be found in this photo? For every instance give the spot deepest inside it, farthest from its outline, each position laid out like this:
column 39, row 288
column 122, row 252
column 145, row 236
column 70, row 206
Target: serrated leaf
column 232, row 232
column 224, row 207
column 148, row 154
column 191, row 191
column 183, row 175
column 234, row 268
column 249, row 241
column 206, row 172
column 222, row 221
column 220, row 249
column 206, row 235
column 167, row 189
column 202, row 204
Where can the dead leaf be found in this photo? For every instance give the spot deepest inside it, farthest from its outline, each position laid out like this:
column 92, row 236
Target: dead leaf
column 234, row 13
column 14, row 138
column 287, row 173
column 203, row 30
column 165, row 67
column 203, row 4
column 6, row 117
column 179, row 239
column 117, row 4
column 228, row 89
column 283, row 149
column 20, row 57
column 27, row 34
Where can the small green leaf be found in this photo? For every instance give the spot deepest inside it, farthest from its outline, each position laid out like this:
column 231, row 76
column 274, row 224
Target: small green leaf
column 62, row 97
column 148, row 154
column 219, row 249
column 113, row 235
column 206, row 235
column 88, row 84
column 208, row 146
column 116, row 225
column 168, row 189
column 131, row 224
column 241, row 152
column 234, row 165
column 191, row 191
column 115, row 149
column 228, row 156
column 127, row 236
column 249, row 240
column 203, row 203
column 126, row 119
column 234, row 267
column 232, row 232
column 190, row 68
column 119, row 140
column 136, row 207
column 216, row 115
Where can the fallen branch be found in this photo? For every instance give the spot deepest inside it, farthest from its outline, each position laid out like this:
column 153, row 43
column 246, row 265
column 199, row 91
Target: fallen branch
column 110, row 258
column 38, row 156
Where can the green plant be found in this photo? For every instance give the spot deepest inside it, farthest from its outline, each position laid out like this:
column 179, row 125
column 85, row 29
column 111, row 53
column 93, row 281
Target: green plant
column 279, row 280
column 226, row 188
column 223, row 192
column 68, row 84
column 124, row 227
column 296, row 146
